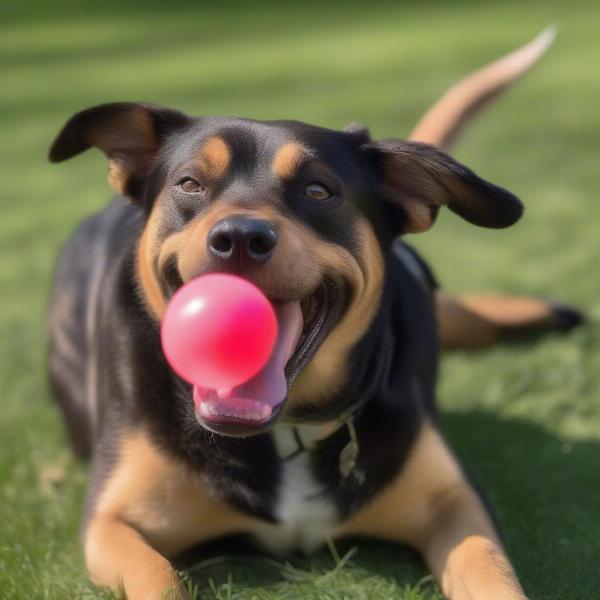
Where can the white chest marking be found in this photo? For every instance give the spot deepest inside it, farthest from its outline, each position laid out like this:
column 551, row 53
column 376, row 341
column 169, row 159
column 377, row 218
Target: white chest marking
column 306, row 518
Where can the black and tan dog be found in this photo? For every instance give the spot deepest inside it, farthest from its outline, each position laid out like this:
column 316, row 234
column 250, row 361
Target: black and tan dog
column 338, row 434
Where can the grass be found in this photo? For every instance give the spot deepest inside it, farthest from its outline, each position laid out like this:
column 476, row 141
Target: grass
column 525, row 417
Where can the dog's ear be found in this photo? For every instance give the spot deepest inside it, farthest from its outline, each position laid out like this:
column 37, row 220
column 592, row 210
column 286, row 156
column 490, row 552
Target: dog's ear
column 416, row 179
column 130, row 135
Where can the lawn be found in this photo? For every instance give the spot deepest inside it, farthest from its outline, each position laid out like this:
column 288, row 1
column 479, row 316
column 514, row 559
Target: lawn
column 525, row 417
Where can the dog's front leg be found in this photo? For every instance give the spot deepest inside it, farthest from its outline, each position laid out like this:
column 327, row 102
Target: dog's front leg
column 464, row 552
column 118, row 557
column 145, row 507
column 432, row 506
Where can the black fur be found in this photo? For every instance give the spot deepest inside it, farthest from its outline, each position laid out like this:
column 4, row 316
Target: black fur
column 106, row 358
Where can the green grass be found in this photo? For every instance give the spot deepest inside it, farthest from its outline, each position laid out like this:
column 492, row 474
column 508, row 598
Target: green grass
column 524, row 417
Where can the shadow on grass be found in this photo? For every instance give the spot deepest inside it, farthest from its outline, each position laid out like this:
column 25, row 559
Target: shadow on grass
column 354, row 566
column 542, row 488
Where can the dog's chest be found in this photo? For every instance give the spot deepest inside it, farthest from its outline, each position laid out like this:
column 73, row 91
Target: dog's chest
column 306, row 517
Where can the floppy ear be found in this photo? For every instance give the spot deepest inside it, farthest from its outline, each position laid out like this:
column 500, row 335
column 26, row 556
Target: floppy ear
column 130, row 135
column 416, row 179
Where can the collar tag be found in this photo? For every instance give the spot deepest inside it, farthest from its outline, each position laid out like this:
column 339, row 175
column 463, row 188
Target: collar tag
column 349, row 454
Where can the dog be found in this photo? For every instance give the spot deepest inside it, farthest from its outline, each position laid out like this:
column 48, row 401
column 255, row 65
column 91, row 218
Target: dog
column 338, row 435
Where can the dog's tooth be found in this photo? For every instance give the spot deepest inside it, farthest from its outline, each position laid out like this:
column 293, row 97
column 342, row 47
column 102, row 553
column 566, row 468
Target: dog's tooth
column 238, row 408
column 205, row 409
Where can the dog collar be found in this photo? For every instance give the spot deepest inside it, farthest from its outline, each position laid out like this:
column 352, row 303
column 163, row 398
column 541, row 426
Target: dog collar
column 294, row 440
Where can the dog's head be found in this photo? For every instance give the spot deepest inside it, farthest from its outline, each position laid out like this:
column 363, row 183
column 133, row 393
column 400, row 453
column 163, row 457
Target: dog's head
column 301, row 211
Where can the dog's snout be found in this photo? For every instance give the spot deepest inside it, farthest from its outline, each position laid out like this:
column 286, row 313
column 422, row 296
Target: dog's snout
column 246, row 239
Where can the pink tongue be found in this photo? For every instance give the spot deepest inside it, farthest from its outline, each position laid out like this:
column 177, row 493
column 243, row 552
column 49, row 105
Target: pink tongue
column 255, row 399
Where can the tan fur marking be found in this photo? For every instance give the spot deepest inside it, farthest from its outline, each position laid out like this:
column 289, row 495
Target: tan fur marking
column 288, row 159
column 509, row 311
column 474, row 321
column 118, row 557
column 146, row 482
column 214, row 158
column 460, row 327
column 404, row 178
column 189, row 244
column 404, row 510
column 152, row 507
column 420, row 215
column 117, row 175
column 432, row 507
column 129, row 142
column 474, row 568
column 146, row 255
column 326, row 372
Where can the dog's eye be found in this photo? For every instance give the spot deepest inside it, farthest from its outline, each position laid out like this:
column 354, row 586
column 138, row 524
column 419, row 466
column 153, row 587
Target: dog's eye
column 317, row 191
column 189, row 186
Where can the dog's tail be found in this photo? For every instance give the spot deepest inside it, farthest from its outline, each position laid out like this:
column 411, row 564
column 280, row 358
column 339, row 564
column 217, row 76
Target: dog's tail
column 446, row 119
column 478, row 320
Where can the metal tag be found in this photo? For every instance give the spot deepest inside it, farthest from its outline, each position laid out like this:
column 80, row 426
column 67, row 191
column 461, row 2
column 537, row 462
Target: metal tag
column 349, row 454
column 348, row 458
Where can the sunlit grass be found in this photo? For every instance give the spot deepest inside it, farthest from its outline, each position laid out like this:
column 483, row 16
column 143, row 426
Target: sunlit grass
column 525, row 418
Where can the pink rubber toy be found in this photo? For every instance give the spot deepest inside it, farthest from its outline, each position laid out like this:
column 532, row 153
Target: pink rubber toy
column 218, row 331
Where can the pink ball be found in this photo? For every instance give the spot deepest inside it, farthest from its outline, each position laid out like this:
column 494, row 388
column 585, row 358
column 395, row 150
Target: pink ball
column 218, row 331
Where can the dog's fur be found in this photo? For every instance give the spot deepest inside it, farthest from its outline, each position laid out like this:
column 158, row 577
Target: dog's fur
column 356, row 448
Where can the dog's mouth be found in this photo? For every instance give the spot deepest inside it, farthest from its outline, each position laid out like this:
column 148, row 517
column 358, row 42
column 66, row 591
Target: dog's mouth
column 255, row 405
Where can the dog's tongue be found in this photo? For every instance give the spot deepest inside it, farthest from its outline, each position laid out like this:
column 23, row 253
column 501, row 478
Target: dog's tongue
column 254, row 400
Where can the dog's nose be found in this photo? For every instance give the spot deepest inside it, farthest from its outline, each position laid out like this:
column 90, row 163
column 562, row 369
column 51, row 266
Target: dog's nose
column 242, row 238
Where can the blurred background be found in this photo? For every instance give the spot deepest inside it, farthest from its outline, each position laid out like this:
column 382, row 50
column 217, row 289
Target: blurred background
column 525, row 417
